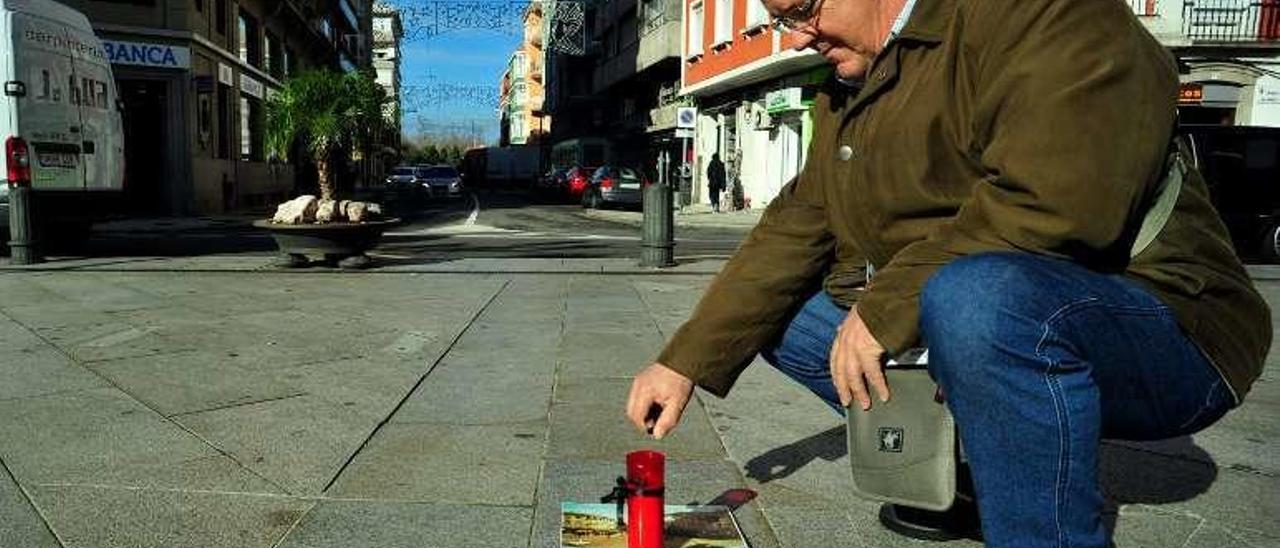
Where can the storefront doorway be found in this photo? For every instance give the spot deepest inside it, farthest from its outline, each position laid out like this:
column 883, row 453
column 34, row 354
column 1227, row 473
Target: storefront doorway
column 787, row 152
column 146, row 145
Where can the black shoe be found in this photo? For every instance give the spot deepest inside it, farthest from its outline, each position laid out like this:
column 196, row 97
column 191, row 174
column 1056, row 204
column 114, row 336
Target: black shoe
column 958, row 522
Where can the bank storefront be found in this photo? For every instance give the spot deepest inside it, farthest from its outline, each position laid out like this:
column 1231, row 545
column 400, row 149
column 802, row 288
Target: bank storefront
column 193, row 121
column 150, row 76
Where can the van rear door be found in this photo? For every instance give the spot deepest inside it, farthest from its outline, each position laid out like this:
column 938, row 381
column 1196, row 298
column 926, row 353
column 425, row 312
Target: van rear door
column 48, row 118
column 101, row 133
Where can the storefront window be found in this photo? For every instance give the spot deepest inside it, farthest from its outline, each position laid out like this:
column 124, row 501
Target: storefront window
column 250, row 129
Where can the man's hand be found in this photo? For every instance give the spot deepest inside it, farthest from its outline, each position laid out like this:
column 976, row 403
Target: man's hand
column 659, row 388
column 855, row 363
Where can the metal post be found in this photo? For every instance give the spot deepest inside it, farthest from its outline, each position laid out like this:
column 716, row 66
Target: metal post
column 657, row 245
column 22, row 240
column 686, row 174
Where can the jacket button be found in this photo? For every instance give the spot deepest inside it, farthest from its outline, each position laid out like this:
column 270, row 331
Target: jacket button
column 846, row 152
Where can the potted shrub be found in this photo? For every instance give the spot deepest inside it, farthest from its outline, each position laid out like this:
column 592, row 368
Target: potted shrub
column 323, row 113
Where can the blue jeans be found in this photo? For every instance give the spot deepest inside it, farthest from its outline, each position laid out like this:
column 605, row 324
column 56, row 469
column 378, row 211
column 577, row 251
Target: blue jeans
column 1039, row 360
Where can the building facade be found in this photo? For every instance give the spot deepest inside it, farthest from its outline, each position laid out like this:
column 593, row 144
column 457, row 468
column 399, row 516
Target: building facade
column 613, row 75
column 520, row 104
column 753, row 92
column 387, row 33
column 1229, row 55
column 193, row 76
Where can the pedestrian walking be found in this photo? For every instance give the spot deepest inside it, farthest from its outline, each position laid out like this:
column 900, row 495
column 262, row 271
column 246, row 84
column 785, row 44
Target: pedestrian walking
column 1010, row 172
column 715, row 180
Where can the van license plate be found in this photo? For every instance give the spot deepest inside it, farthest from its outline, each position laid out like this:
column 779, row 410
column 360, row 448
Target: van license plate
column 56, row 159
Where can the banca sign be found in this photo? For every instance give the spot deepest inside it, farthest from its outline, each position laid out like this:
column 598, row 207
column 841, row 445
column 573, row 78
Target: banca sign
column 147, row 55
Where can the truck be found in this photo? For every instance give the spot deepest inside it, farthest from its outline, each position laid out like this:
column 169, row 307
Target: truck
column 60, row 115
column 512, row 165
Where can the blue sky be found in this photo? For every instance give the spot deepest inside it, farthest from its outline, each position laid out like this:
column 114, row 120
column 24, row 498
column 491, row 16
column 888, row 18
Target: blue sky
column 449, row 77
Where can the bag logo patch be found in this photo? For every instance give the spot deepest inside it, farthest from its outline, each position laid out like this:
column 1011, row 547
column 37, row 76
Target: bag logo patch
column 890, row 440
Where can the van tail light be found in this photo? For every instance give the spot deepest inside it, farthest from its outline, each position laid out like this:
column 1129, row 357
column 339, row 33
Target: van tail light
column 18, row 159
column 606, row 183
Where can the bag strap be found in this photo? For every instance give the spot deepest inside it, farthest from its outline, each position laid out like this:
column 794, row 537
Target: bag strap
column 1166, row 198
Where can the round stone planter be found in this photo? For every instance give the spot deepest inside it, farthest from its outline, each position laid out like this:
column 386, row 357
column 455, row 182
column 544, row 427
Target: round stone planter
column 344, row 243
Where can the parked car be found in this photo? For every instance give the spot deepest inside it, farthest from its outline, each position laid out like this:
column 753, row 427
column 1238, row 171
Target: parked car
column 403, row 177
column 1241, row 167
column 612, row 185
column 442, row 181
column 552, row 184
column 576, row 181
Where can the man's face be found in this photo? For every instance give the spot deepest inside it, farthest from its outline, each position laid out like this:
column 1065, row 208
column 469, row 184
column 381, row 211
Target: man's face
column 848, row 33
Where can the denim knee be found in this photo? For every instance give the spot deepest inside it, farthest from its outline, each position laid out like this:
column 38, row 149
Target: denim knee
column 966, row 306
column 963, row 295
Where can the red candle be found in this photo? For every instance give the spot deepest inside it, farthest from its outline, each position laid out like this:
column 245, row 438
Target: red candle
column 644, row 507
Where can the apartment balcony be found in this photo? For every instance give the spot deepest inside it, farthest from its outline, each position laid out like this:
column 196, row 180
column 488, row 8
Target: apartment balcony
column 1146, row 8
column 1233, row 22
column 535, row 71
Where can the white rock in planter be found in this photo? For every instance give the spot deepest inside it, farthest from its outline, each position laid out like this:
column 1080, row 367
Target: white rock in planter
column 327, row 212
column 359, row 212
column 297, row 211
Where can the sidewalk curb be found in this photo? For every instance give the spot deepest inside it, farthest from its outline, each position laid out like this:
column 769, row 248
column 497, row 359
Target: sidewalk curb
column 262, row 265
column 692, row 220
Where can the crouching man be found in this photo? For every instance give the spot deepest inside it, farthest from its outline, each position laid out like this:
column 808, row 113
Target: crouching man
column 1004, row 168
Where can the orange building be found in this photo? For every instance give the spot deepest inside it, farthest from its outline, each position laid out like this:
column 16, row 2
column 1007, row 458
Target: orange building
column 753, row 92
column 522, row 86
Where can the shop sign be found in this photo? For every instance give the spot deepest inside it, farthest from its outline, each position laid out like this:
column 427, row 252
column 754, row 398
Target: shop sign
column 686, row 117
column 203, row 83
column 251, row 86
column 1190, row 94
column 225, row 75
column 783, row 100
column 1269, row 94
column 662, row 118
column 147, row 55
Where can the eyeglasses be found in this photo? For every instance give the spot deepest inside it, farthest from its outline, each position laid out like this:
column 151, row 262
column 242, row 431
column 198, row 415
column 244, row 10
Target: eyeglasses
column 797, row 17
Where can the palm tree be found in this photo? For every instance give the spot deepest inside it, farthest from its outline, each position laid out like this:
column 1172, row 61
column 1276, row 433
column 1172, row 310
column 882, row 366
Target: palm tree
column 326, row 112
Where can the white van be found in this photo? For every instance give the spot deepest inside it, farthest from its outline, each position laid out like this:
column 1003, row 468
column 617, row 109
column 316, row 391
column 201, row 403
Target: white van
column 59, row 115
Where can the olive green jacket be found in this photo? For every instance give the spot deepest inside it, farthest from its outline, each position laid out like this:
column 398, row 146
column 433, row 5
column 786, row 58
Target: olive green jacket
column 1040, row 126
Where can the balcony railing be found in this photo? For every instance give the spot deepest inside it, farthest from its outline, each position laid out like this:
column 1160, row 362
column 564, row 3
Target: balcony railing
column 1234, row 21
column 1144, row 7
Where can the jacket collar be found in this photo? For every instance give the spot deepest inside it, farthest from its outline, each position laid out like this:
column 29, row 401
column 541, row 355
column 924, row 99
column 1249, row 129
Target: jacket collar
column 929, row 21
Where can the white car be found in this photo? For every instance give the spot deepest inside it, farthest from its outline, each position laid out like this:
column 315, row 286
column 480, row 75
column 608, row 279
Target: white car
column 59, row 113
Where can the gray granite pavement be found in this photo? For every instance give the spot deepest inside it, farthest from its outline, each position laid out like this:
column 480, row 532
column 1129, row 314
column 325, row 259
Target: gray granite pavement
column 229, row 406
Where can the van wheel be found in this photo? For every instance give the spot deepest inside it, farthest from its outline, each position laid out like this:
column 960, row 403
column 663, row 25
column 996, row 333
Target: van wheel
column 1269, row 247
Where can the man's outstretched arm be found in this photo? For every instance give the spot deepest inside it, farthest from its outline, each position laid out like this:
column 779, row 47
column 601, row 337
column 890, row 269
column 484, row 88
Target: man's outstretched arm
column 777, row 267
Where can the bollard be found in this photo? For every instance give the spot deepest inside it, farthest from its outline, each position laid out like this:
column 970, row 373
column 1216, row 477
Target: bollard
column 657, row 245
column 22, row 242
